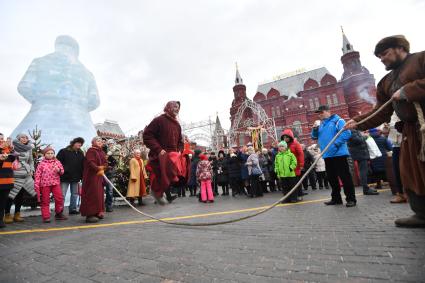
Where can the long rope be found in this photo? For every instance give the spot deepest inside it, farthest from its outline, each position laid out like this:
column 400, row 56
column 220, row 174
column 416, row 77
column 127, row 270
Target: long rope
column 313, row 165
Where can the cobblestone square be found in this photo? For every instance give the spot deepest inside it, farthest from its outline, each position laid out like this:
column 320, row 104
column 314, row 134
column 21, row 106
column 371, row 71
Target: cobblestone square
column 292, row 243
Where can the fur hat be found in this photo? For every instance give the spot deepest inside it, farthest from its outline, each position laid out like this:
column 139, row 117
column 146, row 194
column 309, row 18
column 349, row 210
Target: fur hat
column 392, row 42
column 77, row 140
column 47, row 149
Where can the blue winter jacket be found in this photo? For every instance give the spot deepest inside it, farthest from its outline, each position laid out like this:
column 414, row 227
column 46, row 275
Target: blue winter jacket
column 326, row 131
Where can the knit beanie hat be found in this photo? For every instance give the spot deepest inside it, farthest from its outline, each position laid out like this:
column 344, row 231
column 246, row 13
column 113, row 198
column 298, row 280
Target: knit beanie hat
column 47, row 149
column 283, row 144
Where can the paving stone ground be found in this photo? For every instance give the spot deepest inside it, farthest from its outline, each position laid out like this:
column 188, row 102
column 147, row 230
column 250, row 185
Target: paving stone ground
column 305, row 242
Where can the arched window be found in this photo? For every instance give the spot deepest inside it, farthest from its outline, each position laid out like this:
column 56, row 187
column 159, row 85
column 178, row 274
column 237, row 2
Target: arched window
column 328, row 100
column 311, row 104
column 335, row 99
column 316, row 101
column 297, row 128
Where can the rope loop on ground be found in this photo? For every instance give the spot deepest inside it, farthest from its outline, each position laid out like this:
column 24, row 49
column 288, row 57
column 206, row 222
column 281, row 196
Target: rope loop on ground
column 313, row 165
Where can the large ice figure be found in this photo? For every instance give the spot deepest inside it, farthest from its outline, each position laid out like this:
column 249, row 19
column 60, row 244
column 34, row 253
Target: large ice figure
column 62, row 93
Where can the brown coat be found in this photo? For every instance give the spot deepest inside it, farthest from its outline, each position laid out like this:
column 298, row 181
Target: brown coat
column 92, row 202
column 411, row 77
column 136, row 185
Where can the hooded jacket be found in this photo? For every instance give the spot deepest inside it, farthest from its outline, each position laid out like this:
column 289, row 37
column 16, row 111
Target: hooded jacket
column 285, row 164
column 296, row 149
column 328, row 128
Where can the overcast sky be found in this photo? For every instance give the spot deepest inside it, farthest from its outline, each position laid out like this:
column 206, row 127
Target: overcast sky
column 144, row 53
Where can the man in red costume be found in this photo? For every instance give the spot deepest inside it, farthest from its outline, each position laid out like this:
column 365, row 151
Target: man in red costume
column 163, row 136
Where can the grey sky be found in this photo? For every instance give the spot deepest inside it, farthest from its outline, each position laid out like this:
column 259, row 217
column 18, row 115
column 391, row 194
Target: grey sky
column 144, row 53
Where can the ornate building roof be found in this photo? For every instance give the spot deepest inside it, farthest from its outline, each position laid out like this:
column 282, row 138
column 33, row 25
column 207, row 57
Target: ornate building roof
column 291, row 85
column 109, row 129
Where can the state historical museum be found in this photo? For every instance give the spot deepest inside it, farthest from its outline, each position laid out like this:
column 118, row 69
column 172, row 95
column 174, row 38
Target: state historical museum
column 291, row 100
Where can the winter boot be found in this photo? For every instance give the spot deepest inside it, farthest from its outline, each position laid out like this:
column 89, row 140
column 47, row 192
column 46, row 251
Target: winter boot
column 60, row 216
column 414, row 221
column 140, row 201
column 92, row 219
column 8, row 219
column 17, row 217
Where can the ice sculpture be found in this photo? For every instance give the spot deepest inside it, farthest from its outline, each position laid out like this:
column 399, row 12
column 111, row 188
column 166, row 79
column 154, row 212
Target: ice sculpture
column 62, row 93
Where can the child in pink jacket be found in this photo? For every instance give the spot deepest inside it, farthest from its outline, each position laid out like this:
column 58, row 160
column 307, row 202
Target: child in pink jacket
column 47, row 180
column 204, row 175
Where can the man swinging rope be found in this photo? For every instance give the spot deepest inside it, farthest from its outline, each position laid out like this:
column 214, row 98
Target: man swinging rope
column 405, row 84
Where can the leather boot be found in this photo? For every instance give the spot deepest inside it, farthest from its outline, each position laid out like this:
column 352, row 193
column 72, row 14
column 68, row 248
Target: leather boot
column 17, row 217
column 8, row 219
column 414, row 221
column 398, row 198
column 92, row 219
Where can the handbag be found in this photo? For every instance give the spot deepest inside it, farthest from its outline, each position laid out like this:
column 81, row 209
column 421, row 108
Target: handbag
column 16, row 164
column 373, row 149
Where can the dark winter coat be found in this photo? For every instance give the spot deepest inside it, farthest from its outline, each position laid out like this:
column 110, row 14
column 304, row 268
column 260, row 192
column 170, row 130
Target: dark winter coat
column 193, row 182
column 73, row 164
column 222, row 172
column 308, row 159
column 357, row 146
column 378, row 164
column 234, row 168
column 244, row 169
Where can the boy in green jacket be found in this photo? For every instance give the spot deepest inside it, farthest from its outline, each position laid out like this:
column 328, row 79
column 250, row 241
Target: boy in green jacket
column 285, row 164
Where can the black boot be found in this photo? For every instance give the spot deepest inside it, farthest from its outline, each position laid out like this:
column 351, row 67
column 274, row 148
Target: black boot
column 140, row 201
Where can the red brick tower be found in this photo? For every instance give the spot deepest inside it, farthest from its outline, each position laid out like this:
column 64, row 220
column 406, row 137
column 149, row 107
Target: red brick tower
column 358, row 83
column 239, row 92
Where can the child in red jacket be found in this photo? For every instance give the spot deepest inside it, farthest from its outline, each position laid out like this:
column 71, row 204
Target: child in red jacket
column 47, row 180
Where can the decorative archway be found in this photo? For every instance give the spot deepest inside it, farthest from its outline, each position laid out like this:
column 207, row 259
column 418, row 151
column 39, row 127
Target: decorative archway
column 259, row 119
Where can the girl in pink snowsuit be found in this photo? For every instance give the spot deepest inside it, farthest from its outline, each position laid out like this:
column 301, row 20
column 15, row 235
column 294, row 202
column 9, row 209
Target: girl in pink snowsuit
column 204, row 175
column 47, row 180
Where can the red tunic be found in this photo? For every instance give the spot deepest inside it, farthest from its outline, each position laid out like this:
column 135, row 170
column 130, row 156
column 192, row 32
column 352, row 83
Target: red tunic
column 92, row 202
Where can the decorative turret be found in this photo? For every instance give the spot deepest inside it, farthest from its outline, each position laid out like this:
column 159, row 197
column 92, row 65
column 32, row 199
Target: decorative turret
column 358, row 83
column 350, row 59
column 238, row 80
column 218, row 126
column 239, row 89
column 347, row 47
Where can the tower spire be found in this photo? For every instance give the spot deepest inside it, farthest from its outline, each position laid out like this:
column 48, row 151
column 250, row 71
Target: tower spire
column 238, row 80
column 346, row 45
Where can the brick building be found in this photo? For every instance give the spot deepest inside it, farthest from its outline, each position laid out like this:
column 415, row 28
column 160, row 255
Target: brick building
column 291, row 99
